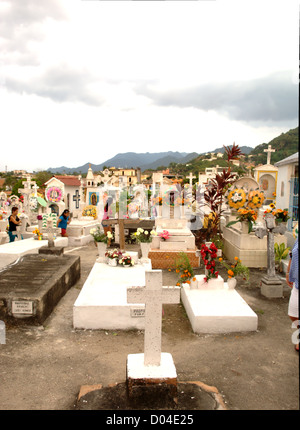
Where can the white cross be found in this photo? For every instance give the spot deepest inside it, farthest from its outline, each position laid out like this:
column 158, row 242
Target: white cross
column 191, row 177
column 269, row 150
column 153, row 295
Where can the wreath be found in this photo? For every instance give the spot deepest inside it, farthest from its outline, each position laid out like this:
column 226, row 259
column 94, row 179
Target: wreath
column 237, row 198
column 255, row 199
column 54, row 194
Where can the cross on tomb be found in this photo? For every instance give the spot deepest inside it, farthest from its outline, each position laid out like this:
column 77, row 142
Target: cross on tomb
column 76, row 198
column 49, row 226
column 153, row 295
column 190, row 177
column 269, row 150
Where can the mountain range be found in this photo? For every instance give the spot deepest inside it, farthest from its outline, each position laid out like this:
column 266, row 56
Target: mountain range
column 285, row 145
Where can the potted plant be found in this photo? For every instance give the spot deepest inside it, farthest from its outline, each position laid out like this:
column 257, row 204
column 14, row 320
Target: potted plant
column 101, row 239
column 144, row 238
column 247, row 217
column 126, row 260
column 281, row 252
column 113, row 256
column 281, row 215
column 234, row 270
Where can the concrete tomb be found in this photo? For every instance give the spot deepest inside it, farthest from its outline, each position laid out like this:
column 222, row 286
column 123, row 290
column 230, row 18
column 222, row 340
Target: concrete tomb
column 102, row 302
column 215, row 308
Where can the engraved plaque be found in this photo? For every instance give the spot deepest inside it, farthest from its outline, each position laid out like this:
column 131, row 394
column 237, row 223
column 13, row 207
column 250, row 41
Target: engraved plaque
column 137, row 312
column 22, row 307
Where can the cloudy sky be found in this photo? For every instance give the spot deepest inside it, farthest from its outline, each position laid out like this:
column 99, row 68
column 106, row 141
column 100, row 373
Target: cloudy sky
column 83, row 80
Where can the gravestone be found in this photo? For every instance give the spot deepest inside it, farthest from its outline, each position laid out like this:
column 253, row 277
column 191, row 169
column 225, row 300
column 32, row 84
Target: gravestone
column 153, row 368
column 271, row 285
column 50, row 227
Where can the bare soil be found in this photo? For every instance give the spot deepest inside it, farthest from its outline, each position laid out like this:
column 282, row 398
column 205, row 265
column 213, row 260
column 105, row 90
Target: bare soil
column 43, row 367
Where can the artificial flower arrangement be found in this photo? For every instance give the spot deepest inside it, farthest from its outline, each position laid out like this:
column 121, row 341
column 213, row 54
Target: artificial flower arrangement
column 143, row 236
column 255, row 199
column 236, row 269
column 115, row 253
column 39, row 217
column 208, row 255
column 246, row 214
column 164, row 234
column 90, row 210
column 126, row 260
column 236, row 198
column 99, row 236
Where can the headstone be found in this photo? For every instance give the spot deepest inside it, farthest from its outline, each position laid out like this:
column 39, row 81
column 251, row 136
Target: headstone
column 153, row 368
column 190, row 178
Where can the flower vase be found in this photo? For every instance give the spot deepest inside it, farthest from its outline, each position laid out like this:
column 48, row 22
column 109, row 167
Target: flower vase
column 145, row 248
column 112, row 262
column 245, row 227
column 194, row 284
column 231, row 282
column 101, row 249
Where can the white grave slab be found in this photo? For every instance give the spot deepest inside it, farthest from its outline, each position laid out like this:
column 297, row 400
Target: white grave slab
column 10, row 252
column 102, row 302
column 79, row 231
column 217, row 311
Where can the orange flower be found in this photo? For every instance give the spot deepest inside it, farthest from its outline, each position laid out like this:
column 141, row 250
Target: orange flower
column 194, row 279
column 220, row 259
column 236, row 258
column 230, row 273
column 177, row 270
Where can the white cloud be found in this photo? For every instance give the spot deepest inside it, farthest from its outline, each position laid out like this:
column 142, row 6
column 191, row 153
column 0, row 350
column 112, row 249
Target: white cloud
column 89, row 79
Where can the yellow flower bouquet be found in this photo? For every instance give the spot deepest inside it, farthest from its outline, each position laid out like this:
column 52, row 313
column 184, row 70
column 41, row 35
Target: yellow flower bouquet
column 246, row 214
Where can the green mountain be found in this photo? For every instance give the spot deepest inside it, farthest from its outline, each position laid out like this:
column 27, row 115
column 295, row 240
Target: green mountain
column 285, row 145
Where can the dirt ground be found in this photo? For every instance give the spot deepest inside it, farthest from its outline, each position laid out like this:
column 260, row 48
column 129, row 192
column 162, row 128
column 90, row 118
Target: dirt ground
column 43, row 368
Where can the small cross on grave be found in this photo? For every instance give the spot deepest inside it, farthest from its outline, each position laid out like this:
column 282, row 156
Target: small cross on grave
column 191, row 177
column 269, row 150
column 271, row 284
column 49, row 227
column 151, row 368
column 76, row 198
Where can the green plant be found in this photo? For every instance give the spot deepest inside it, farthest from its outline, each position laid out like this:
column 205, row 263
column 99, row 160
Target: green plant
column 236, row 269
column 143, row 236
column 217, row 240
column 281, row 252
column 183, row 266
column 99, row 236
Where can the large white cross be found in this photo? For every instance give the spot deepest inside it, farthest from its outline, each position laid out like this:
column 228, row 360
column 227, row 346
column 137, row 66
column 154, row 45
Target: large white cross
column 153, row 295
column 190, row 177
column 269, row 150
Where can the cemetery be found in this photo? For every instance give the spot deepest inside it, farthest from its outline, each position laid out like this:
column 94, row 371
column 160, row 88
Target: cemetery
column 145, row 313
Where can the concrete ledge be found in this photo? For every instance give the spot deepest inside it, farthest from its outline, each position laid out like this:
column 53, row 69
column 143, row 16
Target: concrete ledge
column 31, row 288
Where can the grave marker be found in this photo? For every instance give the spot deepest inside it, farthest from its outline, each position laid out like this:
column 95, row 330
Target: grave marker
column 271, row 284
column 153, row 295
column 269, row 150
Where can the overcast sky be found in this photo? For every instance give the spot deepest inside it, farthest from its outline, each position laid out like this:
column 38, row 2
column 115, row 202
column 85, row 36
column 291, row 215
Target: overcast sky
column 81, row 81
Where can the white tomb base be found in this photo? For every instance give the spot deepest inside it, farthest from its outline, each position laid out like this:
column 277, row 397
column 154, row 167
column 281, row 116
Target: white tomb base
column 102, row 302
column 137, row 370
column 217, row 310
column 79, row 231
column 10, row 252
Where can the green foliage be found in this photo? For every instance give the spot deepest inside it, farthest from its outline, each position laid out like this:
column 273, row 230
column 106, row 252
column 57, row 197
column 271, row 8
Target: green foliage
column 183, row 266
column 281, row 252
